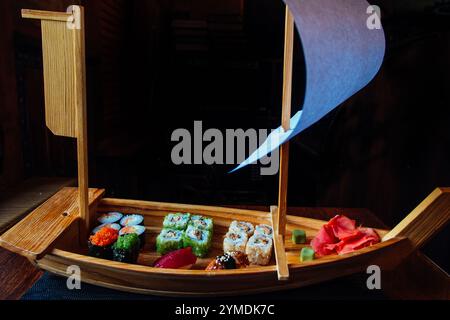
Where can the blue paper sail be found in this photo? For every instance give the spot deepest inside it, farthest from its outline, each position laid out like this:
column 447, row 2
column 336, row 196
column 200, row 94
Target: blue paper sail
column 342, row 55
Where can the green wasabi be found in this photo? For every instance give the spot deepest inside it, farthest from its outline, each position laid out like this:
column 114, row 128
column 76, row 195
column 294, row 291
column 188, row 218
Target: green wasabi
column 298, row 236
column 307, row 254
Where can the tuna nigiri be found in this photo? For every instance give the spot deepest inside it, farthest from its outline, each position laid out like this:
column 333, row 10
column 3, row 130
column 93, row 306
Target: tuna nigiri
column 182, row 258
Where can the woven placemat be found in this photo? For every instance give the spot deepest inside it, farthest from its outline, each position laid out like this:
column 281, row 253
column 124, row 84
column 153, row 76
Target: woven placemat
column 51, row 287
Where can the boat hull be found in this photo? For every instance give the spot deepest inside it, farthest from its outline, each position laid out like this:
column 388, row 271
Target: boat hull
column 184, row 284
column 143, row 279
column 50, row 238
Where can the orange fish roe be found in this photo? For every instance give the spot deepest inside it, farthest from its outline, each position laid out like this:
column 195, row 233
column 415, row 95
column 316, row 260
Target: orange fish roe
column 105, row 237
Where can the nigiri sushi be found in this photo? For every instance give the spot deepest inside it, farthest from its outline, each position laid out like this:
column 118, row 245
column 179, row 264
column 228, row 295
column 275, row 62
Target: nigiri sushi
column 182, row 258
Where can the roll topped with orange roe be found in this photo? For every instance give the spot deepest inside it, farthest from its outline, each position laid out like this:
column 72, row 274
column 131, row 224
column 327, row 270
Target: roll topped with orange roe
column 100, row 244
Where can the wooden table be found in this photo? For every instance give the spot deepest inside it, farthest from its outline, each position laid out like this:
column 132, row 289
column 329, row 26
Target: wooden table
column 417, row 278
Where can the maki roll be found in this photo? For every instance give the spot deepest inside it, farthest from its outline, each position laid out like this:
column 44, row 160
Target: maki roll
column 198, row 240
column 240, row 226
column 202, row 223
column 126, row 249
column 111, row 217
column 132, row 220
column 264, row 229
column 107, row 225
column 259, row 249
column 235, row 241
column 138, row 230
column 169, row 240
column 100, row 244
column 177, row 221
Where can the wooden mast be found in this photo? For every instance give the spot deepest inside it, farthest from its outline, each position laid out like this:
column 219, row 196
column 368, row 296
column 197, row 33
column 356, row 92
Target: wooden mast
column 278, row 213
column 286, row 120
column 63, row 46
column 81, row 122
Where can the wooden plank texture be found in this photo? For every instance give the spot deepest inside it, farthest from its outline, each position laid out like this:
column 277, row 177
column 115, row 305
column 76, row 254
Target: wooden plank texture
column 426, row 220
column 35, row 234
column 46, row 15
column 16, row 202
column 59, row 79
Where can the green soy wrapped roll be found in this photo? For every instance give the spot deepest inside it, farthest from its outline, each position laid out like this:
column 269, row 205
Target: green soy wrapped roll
column 202, row 223
column 169, row 240
column 299, row 237
column 126, row 249
column 307, row 254
column 177, row 221
column 198, row 240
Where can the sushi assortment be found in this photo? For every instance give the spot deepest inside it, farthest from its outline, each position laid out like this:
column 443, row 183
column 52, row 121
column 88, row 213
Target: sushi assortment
column 185, row 237
column 181, row 230
column 118, row 237
column 255, row 242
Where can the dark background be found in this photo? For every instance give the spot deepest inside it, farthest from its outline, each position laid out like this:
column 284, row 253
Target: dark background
column 157, row 65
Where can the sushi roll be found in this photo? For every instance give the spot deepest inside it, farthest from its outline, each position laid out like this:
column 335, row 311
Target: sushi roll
column 259, row 250
column 132, row 220
column 235, row 241
column 139, row 230
column 107, row 225
column 169, row 240
column 177, row 221
column 202, row 223
column 240, row 226
column 264, row 229
column 110, row 217
column 126, row 249
column 198, row 240
column 100, row 244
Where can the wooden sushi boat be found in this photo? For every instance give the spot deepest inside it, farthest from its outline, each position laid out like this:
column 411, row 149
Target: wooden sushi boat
column 54, row 236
